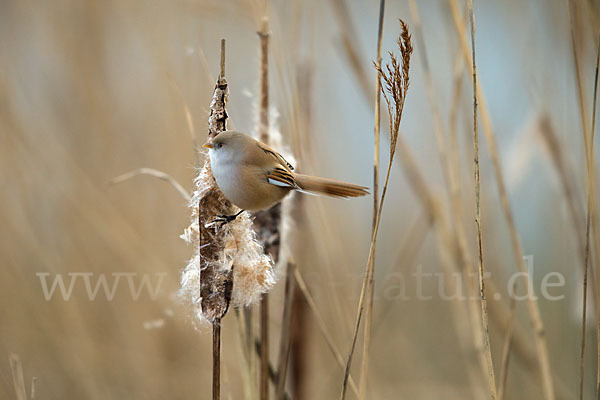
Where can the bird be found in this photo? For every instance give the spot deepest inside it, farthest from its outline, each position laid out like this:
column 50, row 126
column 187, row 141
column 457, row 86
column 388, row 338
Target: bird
column 255, row 177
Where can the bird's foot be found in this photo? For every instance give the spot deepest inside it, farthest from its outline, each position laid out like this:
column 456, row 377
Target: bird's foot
column 222, row 220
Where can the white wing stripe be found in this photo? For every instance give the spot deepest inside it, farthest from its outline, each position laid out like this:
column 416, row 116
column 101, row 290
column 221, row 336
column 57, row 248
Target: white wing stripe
column 278, row 183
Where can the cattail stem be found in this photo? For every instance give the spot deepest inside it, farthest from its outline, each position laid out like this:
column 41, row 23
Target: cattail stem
column 264, row 348
column 222, row 63
column 266, row 222
column 216, row 376
column 210, row 275
column 263, row 118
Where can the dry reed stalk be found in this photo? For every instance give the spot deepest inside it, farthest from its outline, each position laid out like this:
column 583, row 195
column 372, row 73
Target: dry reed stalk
column 498, row 311
column 411, row 170
column 451, row 175
column 155, row 173
column 188, row 118
column 396, row 79
column 431, row 96
column 353, row 54
column 300, row 332
column 593, row 203
column 364, row 373
column 566, row 178
column 453, row 137
column 447, row 249
column 264, row 349
column 298, row 345
column 18, row 379
column 409, row 247
column 506, row 350
column 253, row 365
column 266, row 222
column 377, row 128
column 216, row 368
column 271, row 372
column 351, row 47
column 533, row 307
column 418, row 184
column 588, row 138
column 434, row 215
column 483, row 299
column 285, row 342
column 244, row 334
column 33, row 388
column 520, row 346
column 263, row 108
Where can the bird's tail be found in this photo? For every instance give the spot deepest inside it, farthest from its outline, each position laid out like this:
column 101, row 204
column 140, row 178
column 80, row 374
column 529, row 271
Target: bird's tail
column 329, row 187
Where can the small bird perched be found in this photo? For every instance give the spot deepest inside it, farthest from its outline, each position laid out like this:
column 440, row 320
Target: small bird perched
column 254, row 177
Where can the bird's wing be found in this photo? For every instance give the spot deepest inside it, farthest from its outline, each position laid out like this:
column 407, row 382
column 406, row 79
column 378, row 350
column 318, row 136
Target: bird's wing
column 278, row 157
column 282, row 177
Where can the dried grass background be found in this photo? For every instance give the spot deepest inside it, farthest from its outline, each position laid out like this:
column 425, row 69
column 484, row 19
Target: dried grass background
column 90, row 90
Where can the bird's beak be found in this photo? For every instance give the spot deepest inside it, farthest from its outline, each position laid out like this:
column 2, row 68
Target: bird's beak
column 208, row 145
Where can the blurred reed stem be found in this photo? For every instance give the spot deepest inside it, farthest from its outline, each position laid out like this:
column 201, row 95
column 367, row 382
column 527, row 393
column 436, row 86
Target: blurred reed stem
column 592, row 204
column 285, row 340
column 245, row 336
column 350, row 44
column 588, row 139
column 155, row 173
column 18, row 379
column 533, row 307
column 266, row 222
column 434, row 214
column 506, row 350
column 483, row 299
column 451, row 173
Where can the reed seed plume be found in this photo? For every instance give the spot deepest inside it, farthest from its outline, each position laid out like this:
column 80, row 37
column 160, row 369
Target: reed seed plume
column 396, row 81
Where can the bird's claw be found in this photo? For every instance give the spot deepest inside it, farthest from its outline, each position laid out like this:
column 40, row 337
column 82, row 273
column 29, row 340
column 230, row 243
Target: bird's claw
column 222, row 220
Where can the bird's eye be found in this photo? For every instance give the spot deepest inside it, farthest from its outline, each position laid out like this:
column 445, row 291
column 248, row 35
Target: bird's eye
column 219, row 145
